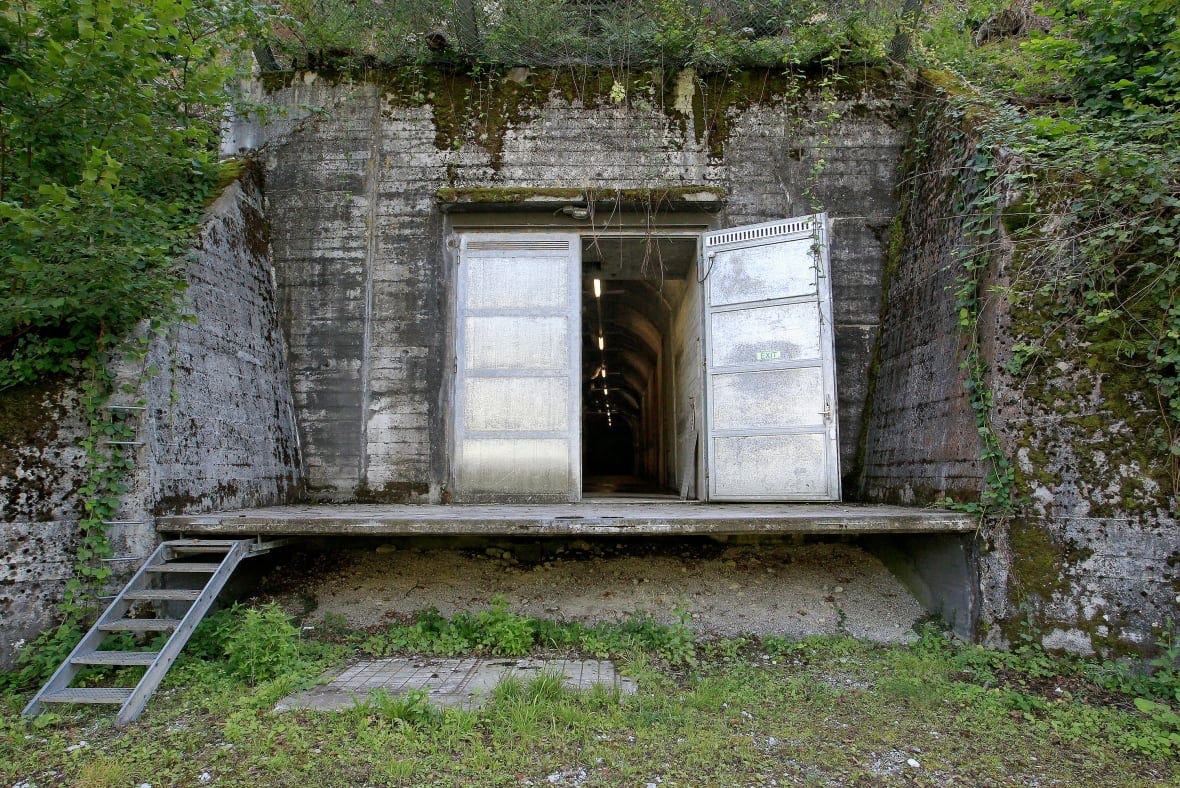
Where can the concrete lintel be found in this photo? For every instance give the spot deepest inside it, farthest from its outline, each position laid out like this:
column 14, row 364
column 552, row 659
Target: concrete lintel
column 584, row 519
column 657, row 199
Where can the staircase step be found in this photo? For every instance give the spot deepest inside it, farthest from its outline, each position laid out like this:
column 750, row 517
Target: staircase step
column 189, row 549
column 226, row 543
column 179, row 566
column 172, row 594
column 116, row 658
column 116, row 695
column 140, row 625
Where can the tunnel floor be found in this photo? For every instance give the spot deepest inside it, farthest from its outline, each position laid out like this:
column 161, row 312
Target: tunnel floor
column 625, row 487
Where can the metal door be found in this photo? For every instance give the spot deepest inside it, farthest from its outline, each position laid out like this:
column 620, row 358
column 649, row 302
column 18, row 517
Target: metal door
column 517, row 393
column 770, row 369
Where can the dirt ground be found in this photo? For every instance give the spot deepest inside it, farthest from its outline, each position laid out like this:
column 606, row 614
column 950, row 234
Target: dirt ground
column 771, row 587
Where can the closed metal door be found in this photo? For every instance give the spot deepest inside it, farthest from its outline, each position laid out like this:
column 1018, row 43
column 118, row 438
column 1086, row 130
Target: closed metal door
column 770, row 363
column 517, row 394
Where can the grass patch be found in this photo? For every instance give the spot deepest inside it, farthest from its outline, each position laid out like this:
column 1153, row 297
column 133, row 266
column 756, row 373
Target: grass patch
column 740, row 711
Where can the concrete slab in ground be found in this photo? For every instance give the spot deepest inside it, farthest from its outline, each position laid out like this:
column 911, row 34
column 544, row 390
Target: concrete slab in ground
column 461, row 683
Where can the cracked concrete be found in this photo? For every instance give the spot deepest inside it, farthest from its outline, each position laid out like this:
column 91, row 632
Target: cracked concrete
column 450, row 682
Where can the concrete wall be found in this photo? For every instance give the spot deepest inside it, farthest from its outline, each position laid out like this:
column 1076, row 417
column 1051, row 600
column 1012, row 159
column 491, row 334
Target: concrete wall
column 921, row 442
column 40, row 471
column 1090, row 559
column 358, row 238
column 218, row 430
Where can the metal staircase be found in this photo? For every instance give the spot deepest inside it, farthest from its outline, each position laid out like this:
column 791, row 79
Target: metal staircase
column 177, row 558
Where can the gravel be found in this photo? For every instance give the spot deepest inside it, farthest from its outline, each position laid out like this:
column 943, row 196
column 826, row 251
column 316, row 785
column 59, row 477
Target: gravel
column 769, row 587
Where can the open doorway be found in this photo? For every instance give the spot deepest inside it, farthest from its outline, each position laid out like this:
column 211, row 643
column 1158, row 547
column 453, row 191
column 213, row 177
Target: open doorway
column 641, row 381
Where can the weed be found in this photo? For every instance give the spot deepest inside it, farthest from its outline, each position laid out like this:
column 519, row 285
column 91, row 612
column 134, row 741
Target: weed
column 104, row 772
column 40, row 658
column 776, row 646
column 262, row 643
column 411, row 708
column 503, row 633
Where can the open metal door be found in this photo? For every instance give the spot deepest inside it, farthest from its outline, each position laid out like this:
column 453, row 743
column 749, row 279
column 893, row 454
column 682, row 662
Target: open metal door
column 517, row 400
column 770, row 363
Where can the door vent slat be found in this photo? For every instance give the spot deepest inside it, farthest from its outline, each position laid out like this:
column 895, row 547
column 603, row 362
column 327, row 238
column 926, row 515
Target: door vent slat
column 522, row 245
column 760, row 231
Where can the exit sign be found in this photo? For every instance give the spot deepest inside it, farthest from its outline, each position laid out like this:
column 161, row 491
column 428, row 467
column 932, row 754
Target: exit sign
column 769, row 355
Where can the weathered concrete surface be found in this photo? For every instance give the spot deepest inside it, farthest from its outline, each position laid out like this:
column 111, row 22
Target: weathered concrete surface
column 716, row 586
column 220, row 431
column 571, row 519
column 358, row 239
column 450, row 683
column 940, row 570
column 217, row 427
column 921, row 442
column 41, row 462
column 1091, row 559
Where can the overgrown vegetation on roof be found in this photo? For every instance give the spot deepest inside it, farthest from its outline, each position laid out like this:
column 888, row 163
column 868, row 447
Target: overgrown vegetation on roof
column 627, row 34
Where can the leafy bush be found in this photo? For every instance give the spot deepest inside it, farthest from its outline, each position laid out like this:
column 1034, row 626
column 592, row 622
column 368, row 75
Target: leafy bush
column 39, row 658
column 110, row 118
column 261, row 644
column 257, row 644
column 709, row 35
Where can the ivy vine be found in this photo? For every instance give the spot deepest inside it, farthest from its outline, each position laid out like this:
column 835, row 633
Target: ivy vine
column 978, row 204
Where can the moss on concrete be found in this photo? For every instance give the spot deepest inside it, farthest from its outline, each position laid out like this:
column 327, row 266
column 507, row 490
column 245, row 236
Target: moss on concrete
column 481, row 106
column 511, row 196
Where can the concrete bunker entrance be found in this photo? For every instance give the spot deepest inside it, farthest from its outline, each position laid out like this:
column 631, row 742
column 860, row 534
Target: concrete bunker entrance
column 596, row 360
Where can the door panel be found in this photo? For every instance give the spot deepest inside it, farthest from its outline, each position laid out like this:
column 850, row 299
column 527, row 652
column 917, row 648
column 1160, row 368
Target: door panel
column 745, row 467
column 774, row 399
column 770, row 363
column 763, row 272
column 746, row 336
column 517, row 342
column 517, row 393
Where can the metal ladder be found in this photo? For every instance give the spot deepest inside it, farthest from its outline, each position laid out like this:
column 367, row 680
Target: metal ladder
column 142, row 588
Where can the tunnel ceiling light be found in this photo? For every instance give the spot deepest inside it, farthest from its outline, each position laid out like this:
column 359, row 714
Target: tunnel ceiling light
column 598, row 288
column 601, row 342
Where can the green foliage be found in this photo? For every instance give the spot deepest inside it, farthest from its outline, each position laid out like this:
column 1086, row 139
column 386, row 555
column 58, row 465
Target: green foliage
column 109, row 115
column 411, row 709
column 1121, row 56
column 259, row 643
column 255, row 644
column 734, row 719
column 37, row 660
column 1094, row 154
column 501, row 632
column 709, row 35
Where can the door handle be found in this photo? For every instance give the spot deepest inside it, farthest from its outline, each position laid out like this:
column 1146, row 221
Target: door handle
column 827, row 411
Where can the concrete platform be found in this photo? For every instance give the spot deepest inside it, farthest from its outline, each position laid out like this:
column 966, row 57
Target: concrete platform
column 451, row 683
column 628, row 516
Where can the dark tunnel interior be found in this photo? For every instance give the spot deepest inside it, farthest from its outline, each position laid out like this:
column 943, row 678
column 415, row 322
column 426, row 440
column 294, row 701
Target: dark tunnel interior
column 631, row 291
